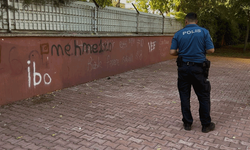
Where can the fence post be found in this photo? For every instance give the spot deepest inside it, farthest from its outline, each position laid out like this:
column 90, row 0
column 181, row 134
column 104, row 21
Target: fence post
column 8, row 16
column 95, row 19
column 95, row 16
column 163, row 18
column 137, row 19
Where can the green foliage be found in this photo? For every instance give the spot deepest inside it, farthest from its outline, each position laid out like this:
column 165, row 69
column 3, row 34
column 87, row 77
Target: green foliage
column 101, row 3
column 164, row 6
column 42, row 2
column 141, row 5
column 219, row 17
column 179, row 16
column 232, row 51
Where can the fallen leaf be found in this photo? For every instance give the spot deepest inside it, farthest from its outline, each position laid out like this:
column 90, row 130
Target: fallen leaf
column 234, row 137
column 149, row 103
column 19, row 137
column 60, row 116
column 174, row 102
column 53, row 134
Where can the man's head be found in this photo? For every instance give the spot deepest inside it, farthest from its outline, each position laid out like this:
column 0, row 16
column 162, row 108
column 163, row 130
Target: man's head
column 191, row 18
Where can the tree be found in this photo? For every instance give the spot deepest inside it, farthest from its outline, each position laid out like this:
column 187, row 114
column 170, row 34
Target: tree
column 247, row 33
column 241, row 9
column 141, row 5
column 101, row 3
column 216, row 16
column 41, row 2
column 245, row 5
column 118, row 3
column 164, row 6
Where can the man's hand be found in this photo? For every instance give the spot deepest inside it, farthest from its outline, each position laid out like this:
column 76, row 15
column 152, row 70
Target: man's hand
column 174, row 52
column 209, row 51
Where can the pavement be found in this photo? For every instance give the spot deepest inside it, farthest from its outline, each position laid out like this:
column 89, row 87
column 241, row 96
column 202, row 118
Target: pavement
column 138, row 109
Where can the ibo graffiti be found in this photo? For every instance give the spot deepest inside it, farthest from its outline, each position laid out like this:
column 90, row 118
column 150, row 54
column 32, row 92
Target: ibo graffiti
column 33, row 78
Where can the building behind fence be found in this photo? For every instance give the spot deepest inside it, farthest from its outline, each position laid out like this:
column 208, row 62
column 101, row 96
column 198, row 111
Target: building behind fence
column 83, row 17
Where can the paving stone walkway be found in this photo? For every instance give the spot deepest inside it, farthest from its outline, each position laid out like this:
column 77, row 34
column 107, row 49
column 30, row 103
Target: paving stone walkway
column 139, row 109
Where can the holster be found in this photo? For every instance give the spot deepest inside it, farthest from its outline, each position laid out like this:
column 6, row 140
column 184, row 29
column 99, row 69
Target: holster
column 206, row 66
column 179, row 61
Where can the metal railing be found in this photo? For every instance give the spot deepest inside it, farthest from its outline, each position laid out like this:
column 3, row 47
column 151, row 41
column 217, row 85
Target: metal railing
column 83, row 17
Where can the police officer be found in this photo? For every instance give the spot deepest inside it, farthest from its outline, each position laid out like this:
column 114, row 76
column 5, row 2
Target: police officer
column 191, row 44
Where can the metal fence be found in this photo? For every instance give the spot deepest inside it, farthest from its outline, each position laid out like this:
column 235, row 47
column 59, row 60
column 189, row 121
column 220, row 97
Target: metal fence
column 83, row 17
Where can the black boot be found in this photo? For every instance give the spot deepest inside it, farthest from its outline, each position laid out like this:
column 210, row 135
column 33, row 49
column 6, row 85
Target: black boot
column 187, row 126
column 208, row 128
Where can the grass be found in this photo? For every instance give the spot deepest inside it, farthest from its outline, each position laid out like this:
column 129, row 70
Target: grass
column 232, row 51
column 241, row 46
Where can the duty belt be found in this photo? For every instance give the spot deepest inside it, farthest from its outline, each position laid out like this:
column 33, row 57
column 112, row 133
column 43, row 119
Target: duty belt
column 193, row 64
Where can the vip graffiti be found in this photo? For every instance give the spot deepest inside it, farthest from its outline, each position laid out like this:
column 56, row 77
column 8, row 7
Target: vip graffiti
column 151, row 46
column 36, row 75
column 78, row 49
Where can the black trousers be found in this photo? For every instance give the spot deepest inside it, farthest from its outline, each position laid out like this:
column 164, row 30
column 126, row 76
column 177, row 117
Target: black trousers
column 192, row 75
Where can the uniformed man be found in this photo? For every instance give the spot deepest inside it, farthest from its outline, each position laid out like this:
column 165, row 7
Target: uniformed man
column 191, row 44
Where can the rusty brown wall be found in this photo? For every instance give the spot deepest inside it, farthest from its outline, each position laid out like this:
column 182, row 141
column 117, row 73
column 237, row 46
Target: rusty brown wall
column 36, row 65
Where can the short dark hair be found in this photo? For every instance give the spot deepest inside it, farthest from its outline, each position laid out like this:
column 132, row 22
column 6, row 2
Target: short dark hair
column 191, row 17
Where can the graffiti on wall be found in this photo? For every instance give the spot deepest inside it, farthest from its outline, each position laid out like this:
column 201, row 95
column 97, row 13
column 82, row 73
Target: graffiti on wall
column 164, row 47
column 79, row 49
column 151, row 45
column 112, row 62
column 38, row 59
column 46, row 78
column 41, row 65
column 94, row 64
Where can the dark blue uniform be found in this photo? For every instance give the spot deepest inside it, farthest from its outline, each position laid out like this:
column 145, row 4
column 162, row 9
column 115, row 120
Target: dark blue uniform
column 192, row 42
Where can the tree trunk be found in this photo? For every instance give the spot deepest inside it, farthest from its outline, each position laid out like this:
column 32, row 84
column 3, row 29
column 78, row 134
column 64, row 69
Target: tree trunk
column 247, row 34
column 223, row 40
column 118, row 3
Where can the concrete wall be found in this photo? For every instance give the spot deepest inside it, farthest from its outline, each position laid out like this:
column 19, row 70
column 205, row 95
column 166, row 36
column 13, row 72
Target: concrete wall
column 31, row 66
